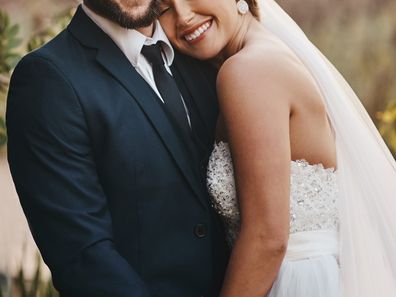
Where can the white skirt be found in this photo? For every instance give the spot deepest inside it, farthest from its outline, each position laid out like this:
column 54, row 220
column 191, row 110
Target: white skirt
column 310, row 267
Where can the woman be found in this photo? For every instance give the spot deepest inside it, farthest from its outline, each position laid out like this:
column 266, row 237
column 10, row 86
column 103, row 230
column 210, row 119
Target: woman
column 311, row 210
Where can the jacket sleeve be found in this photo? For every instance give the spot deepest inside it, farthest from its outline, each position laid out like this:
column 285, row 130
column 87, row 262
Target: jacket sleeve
column 53, row 168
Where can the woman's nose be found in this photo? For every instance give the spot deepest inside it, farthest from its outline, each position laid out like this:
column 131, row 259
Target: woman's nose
column 184, row 11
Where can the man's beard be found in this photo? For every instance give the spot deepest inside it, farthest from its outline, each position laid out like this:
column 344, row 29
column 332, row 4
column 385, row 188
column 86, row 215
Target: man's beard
column 112, row 11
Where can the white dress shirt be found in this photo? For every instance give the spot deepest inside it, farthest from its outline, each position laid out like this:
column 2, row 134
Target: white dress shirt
column 131, row 43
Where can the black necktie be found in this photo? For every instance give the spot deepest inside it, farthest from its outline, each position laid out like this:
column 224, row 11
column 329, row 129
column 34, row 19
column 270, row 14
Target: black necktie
column 167, row 87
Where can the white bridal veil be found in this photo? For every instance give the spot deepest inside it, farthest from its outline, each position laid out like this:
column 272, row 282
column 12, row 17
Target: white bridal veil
column 366, row 170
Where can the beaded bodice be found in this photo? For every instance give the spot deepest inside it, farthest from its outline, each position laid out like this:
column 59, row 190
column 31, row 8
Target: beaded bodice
column 313, row 194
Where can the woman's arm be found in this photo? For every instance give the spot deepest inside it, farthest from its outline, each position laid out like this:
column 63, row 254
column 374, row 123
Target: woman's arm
column 256, row 108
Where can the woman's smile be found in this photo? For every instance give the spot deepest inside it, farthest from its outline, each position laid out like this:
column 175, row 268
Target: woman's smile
column 197, row 33
column 200, row 28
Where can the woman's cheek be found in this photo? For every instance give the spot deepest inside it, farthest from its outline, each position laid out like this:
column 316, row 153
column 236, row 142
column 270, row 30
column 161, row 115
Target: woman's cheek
column 168, row 26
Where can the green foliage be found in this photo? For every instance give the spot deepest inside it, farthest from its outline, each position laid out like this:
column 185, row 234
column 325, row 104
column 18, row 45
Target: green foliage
column 3, row 135
column 9, row 57
column 9, row 42
column 11, row 52
column 59, row 23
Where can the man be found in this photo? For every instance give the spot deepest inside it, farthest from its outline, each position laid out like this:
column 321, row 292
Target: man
column 108, row 152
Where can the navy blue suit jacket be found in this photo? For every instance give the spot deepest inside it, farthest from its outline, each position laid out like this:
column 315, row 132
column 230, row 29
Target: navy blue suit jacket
column 114, row 201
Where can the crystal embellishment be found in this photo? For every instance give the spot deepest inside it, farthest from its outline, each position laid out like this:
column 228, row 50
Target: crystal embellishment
column 313, row 194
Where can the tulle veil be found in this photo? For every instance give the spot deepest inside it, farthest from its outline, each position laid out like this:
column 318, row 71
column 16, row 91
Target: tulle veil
column 366, row 170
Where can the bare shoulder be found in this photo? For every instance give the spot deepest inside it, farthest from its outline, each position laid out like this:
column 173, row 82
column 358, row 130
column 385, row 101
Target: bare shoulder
column 264, row 71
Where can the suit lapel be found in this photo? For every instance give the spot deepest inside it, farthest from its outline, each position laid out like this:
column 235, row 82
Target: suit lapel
column 115, row 62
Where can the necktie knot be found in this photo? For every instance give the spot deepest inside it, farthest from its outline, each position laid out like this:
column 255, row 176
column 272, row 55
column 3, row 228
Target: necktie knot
column 153, row 54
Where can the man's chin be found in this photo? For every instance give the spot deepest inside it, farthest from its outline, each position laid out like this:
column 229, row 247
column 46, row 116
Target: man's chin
column 140, row 16
column 136, row 23
column 129, row 14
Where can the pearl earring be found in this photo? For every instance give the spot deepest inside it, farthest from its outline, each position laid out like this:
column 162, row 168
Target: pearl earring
column 242, row 7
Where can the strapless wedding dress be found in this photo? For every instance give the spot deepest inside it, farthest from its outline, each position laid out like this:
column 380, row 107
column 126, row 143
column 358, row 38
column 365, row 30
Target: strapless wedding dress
column 310, row 267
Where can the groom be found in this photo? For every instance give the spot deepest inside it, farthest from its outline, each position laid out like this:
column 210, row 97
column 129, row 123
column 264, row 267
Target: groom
column 109, row 136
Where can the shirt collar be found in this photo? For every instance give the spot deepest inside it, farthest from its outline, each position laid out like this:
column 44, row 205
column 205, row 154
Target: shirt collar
column 131, row 41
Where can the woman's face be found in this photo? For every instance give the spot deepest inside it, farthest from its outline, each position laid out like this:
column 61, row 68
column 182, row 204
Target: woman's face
column 199, row 28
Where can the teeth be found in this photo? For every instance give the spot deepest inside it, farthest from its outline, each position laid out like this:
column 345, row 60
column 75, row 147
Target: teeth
column 198, row 32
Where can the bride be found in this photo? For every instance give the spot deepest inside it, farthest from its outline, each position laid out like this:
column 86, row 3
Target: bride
column 300, row 175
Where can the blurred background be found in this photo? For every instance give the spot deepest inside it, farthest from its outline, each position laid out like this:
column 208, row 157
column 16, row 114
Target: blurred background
column 358, row 36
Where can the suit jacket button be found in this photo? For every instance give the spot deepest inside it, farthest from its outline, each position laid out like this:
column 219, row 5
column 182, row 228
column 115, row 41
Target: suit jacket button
column 200, row 230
